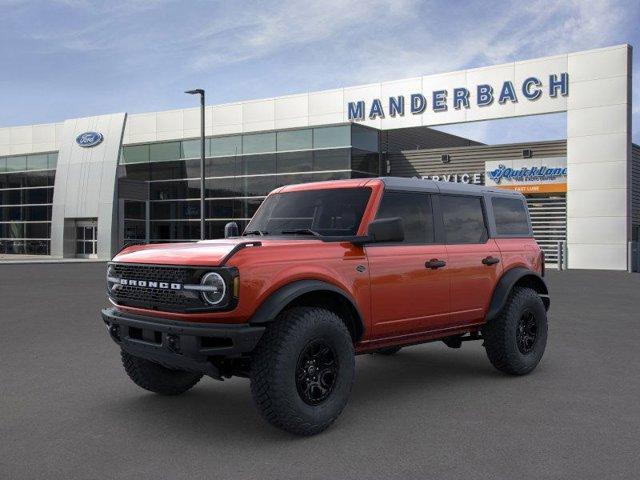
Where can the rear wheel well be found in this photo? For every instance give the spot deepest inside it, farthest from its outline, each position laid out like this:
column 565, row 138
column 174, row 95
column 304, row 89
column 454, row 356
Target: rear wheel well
column 335, row 302
column 535, row 283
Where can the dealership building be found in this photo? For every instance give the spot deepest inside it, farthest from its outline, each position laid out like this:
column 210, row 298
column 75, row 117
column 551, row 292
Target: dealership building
column 85, row 187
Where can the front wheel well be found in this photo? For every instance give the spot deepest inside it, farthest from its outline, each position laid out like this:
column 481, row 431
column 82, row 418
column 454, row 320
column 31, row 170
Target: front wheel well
column 335, row 302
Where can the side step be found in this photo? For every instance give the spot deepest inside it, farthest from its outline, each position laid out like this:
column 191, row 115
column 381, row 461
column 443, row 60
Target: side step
column 456, row 340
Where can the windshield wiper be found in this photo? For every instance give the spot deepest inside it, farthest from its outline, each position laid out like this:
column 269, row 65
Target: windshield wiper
column 255, row 232
column 302, row 231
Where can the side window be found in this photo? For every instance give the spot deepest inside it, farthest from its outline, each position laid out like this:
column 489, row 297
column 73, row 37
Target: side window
column 415, row 211
column 463, row 219
column 511, row 216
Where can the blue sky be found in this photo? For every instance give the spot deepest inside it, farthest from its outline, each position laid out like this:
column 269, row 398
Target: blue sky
column 73, row 58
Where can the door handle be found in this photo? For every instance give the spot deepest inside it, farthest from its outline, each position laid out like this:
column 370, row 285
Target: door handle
column 435, row 263
column 490, row 260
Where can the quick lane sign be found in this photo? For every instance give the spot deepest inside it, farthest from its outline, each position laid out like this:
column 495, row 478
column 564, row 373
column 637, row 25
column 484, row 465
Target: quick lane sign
column 528, row 176
column 481, row 95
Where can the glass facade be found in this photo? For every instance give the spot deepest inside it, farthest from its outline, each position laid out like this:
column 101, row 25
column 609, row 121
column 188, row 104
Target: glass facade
column 240, row 171
column 26, row 196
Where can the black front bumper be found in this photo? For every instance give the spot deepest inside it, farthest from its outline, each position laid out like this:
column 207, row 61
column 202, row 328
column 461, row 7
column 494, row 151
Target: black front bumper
column 183, row 345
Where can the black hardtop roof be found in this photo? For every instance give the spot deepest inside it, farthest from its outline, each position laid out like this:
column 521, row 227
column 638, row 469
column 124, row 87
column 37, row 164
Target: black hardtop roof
column 433, row 186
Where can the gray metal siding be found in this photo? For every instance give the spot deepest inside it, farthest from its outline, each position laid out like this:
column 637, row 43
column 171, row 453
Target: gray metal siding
column 635, row 185
column 549, row 222
column 416, row 138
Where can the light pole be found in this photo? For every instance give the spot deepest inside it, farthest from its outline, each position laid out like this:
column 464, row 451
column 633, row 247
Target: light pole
column 200, row 91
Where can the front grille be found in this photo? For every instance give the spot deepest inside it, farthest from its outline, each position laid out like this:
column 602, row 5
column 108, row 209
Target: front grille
column 163, row 287
column 157, row 273
column 166, row 299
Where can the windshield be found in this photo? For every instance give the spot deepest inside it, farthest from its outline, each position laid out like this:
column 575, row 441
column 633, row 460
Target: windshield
column 330, row 212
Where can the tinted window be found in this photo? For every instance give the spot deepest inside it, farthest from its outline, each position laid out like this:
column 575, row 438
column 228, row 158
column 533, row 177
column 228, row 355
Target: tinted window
column 295, row 140
column 16, row 164
column 259, row 143
column 334, row 212
column 52, row 160
column 162, row 152
column 221, row 166
column 135, row 154
column 38, row 162
column 364, row 138
column 329, row 137
column 226, row 146
column 295, row 162
column 331, row 159
column 257, row 164
column 463, row 219
column 191, row 149
column 415, row 211
column 511, row 216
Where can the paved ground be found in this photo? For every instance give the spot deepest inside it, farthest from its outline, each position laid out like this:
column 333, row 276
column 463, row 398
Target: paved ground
column 67, row 410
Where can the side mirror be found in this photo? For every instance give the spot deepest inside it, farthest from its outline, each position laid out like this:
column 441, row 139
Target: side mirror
column 386, row 230
column 231, row 230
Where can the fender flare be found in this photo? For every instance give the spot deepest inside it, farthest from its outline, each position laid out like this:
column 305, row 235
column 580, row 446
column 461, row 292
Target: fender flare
column 506, row 284
column 278, row 300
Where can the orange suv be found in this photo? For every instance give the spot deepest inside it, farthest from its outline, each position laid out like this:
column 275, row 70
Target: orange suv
column 325, row 271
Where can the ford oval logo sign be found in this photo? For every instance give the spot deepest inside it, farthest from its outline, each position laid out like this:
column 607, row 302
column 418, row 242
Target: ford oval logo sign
column 89, row 139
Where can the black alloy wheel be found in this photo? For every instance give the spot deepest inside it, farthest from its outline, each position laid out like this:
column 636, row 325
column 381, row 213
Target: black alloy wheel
column 527, row 332
column 316, row 372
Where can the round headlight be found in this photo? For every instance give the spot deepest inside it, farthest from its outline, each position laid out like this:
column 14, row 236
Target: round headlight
column 215, row 288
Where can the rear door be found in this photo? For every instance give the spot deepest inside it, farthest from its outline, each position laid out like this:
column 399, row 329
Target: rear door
column 407, row 296
column 474, row 258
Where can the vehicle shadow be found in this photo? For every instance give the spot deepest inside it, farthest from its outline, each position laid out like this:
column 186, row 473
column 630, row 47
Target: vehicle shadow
column 225, row 410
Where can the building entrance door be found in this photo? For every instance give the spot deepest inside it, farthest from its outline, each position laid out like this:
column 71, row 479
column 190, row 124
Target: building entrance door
column 87, row 239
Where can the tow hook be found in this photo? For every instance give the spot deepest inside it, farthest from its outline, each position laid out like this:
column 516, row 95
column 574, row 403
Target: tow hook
column 114, row 331
column 173, row 343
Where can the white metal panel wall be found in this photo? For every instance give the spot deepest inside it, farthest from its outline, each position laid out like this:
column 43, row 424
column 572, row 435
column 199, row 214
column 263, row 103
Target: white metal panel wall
column 30, row 139
column 599, row 158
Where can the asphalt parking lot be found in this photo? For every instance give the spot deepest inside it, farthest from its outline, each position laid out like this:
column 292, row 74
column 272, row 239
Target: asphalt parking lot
column 67, row 409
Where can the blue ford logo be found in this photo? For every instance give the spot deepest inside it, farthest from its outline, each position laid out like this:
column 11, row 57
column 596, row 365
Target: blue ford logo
column 89, row 139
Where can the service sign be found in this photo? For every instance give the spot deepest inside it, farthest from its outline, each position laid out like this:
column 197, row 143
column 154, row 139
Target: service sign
column 544, row 175
column 470, row 178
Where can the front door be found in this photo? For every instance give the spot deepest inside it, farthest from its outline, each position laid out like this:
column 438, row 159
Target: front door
column 87, row 239
column 409, row 280
column 474, row 259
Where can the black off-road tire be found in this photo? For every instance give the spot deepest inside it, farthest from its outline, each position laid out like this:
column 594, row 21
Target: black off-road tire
column 276, row 369
column 388, row 351
column 501, row 338
column 156, row 378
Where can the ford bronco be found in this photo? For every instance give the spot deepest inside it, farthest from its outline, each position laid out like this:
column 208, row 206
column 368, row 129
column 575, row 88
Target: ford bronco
column 323, row 272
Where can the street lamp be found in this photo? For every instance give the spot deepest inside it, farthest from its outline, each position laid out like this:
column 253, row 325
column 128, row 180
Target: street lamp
column 200, row 91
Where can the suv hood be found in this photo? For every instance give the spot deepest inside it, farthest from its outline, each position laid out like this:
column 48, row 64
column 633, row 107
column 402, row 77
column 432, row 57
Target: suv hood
column 205, row 253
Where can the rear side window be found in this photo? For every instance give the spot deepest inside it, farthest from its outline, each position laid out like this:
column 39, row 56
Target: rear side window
column 463, row 219
column 511, row 216
column 415, row 211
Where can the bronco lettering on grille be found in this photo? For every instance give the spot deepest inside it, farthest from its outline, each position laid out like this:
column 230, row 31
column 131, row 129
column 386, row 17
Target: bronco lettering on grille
column 149, row 284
